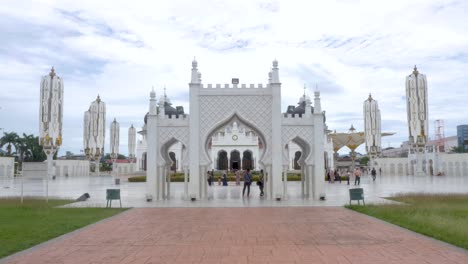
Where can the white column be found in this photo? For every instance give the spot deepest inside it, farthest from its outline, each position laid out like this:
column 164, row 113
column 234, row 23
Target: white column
column 285, row 182
column 302, row 179
column 152, row 190
column 186, row 182
column 168, row 182
column 194, row 138
column 318, row 187
column 275, row 146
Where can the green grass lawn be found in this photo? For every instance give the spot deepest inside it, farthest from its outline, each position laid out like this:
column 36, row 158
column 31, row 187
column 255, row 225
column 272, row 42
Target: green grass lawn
column 444, row 217
column 23, row 226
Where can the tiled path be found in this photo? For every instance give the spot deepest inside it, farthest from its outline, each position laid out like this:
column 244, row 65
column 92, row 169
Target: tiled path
column 243, row 235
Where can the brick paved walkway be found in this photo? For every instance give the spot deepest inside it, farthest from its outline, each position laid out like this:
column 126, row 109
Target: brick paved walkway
column 243, row 235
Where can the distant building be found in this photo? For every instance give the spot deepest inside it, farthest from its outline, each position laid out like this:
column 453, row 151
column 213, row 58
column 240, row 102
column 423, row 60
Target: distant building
column 462, row 136
column 402, row 151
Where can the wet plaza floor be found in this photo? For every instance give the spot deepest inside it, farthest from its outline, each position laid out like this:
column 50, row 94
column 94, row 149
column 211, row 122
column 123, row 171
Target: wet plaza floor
column 133, row 194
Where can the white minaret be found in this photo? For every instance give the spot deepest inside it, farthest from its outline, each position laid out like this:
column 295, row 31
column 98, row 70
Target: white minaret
column 372, row 129
column 114, row 142
column 131, row 146
column 51, row 118
column 97, row 131
column 416, row 107
column 131, row 142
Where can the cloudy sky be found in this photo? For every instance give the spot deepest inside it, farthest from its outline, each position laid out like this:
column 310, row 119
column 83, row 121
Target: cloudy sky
column 120, row 49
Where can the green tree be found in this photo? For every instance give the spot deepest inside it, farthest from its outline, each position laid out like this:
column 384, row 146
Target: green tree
column 459, row 149
column 33, row 151
column 9, row 139
column 119, row 156
column 364, row 160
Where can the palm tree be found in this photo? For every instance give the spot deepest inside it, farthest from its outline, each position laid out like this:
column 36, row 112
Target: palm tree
column 33, row 151
column 9, row 139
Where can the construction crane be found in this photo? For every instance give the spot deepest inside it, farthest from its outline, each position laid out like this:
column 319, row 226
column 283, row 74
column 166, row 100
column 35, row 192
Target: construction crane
column 439, row 134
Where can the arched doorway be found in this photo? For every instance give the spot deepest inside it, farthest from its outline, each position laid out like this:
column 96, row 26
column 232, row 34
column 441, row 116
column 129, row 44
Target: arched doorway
column 247, row 160
column 172, row 155
column 222, row 160
column 235, row 160
column 297, row 156
column 172, row 152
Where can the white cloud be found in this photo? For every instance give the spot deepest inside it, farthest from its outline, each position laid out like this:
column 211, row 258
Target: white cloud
column 120, row 49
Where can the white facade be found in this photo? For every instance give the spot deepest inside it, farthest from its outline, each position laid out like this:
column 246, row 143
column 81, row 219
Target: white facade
column 213, row 107
column 7, row 167
column 240, row 146
column 434, row 163
column 60, row 168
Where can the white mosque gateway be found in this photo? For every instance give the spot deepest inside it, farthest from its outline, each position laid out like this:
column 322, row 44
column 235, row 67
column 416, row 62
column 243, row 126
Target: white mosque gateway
column 248, row 116
column 232, row 148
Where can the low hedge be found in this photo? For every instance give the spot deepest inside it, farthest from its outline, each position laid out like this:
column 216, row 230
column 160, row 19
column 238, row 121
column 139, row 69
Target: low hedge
column 179, row 177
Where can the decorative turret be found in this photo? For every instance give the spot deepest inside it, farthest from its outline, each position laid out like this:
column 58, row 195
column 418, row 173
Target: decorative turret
column 317, row 106
column 275, row 72
column 196, row 78
column 153, row 107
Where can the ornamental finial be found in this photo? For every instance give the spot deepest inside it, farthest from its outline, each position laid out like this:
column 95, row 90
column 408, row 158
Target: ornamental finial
column 370, row 97
column 194, row 63
column 52, row 72
column 98, row 99
column 415, row 70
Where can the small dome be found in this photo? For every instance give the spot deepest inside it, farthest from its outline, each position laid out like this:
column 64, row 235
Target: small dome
column 301, row 99
column 275, row 63
column 194, row 63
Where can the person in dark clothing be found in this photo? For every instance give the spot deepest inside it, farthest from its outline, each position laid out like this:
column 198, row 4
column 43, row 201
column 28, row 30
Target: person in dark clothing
column 209, row 178
column 373, row 173
column 337, row 176
column 247, row 182
column 261, row 181
column 225, row 183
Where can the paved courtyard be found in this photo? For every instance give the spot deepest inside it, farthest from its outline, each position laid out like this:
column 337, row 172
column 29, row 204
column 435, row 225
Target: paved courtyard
column 242, row 235
column 133, row 194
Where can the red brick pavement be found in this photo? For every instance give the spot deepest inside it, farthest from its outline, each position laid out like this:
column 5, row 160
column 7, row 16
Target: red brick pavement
column 242, row 235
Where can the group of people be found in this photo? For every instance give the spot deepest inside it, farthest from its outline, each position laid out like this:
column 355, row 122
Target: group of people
column 247, row 177
column 334, row 175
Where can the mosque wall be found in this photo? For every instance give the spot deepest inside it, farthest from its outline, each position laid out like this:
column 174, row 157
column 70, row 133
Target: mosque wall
column 7, row 165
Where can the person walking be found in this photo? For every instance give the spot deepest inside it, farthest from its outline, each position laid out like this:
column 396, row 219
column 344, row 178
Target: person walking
column 348, row 176
column 261, row 181
column 337, row 176
column 380, row 171
column 247, row 182
column 225, row 183
column 238, row 175
column 374, row 174
column 357, row 175
column 209, row 178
